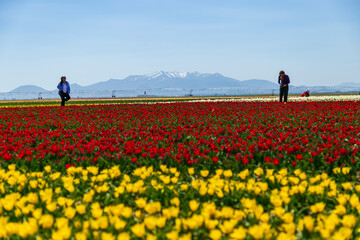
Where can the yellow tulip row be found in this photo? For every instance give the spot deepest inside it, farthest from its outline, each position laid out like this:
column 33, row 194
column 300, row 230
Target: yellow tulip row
column 89, row 203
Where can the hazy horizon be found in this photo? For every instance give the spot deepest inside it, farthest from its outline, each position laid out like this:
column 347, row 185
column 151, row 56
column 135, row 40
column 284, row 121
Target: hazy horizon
column 54, row 88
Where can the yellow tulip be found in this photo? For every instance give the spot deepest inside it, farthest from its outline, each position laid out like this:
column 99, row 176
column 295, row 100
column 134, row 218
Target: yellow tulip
column 103, row 222
column 238, row 233
column 259, row 171
column 58, row 190
column 215, row 234
column 186, row 236
column 175, row 201
column 55, row 176
column 265, row 218
column 51, row 207
column 127, row 212
column 139, row 214
column 81, row 209
column 33, row 184
column 194, row 205
column 354, row 201
column 153, row 207
column 347, row 186
column 150, row 222
column 37, row 213
column 203, row 190
column 184, row 187
column 345, row 170
column 12, row 167
column 138, row 229
column 228, row 226
column 243, row 174
column 287, row 217
column 256, row 232
column 204, row 173
column 285, row 236
column 227, row 212
column 94, row 223
column 325, row 234
column 170, row 212
column 47, row 169
column 124, row 236
column 228, row 173
column 211, row 223
column 141, row 202
column 70, row 212
column 278, row 211
column 309, row 223
column 349, row 221
column 174, row 180
column 46, row 221
column 219, row 172
column 340, row 210
column 62, row 233
column 160, row 222
column 150, row 237
column 119, row 224
column 173, row 235
column 80, row 236
column 12, row 181
column 96, row 212
column 219, row 193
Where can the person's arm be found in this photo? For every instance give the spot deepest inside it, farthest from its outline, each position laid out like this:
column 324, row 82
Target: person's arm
column 59, row 86
column 68, row 87
column 279, row 80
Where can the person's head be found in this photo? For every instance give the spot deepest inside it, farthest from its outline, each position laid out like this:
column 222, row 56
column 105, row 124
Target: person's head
column 282, row 73
column 63, row 78
column 308, row 90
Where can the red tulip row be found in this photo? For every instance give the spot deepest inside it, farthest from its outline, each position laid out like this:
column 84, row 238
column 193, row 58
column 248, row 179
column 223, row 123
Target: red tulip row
column 321, row 134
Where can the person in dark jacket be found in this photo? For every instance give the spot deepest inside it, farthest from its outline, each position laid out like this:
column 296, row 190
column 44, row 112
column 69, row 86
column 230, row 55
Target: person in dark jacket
column 64, row 90
column 284, row 81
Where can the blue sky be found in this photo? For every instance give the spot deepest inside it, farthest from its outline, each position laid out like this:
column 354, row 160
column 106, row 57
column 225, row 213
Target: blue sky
column 317, row 42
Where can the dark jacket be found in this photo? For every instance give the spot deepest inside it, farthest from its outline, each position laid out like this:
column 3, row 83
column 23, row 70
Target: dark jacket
column 285, row 80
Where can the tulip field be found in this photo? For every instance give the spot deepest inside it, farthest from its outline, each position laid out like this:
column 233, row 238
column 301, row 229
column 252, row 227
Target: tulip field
column 212, row 169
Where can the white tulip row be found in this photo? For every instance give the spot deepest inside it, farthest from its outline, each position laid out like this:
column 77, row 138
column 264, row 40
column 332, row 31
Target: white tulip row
column 290, row 99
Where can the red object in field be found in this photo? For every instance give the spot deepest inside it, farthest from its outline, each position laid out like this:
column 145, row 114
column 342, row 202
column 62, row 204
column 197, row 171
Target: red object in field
column 305, row 94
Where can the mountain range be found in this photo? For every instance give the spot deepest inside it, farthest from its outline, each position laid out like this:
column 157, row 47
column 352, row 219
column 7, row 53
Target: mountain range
column 162, row 79
column 175, row 80
column 29, row 88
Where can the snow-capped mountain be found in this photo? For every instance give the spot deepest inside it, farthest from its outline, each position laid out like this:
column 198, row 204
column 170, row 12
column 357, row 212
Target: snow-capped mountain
column 182, row 80
column 167, row 75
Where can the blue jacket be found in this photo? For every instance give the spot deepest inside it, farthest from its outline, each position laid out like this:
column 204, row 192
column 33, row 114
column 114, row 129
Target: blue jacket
column 60, row 87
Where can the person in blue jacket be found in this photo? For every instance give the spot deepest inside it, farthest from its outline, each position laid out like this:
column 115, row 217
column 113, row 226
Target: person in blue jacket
column 64, row 90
